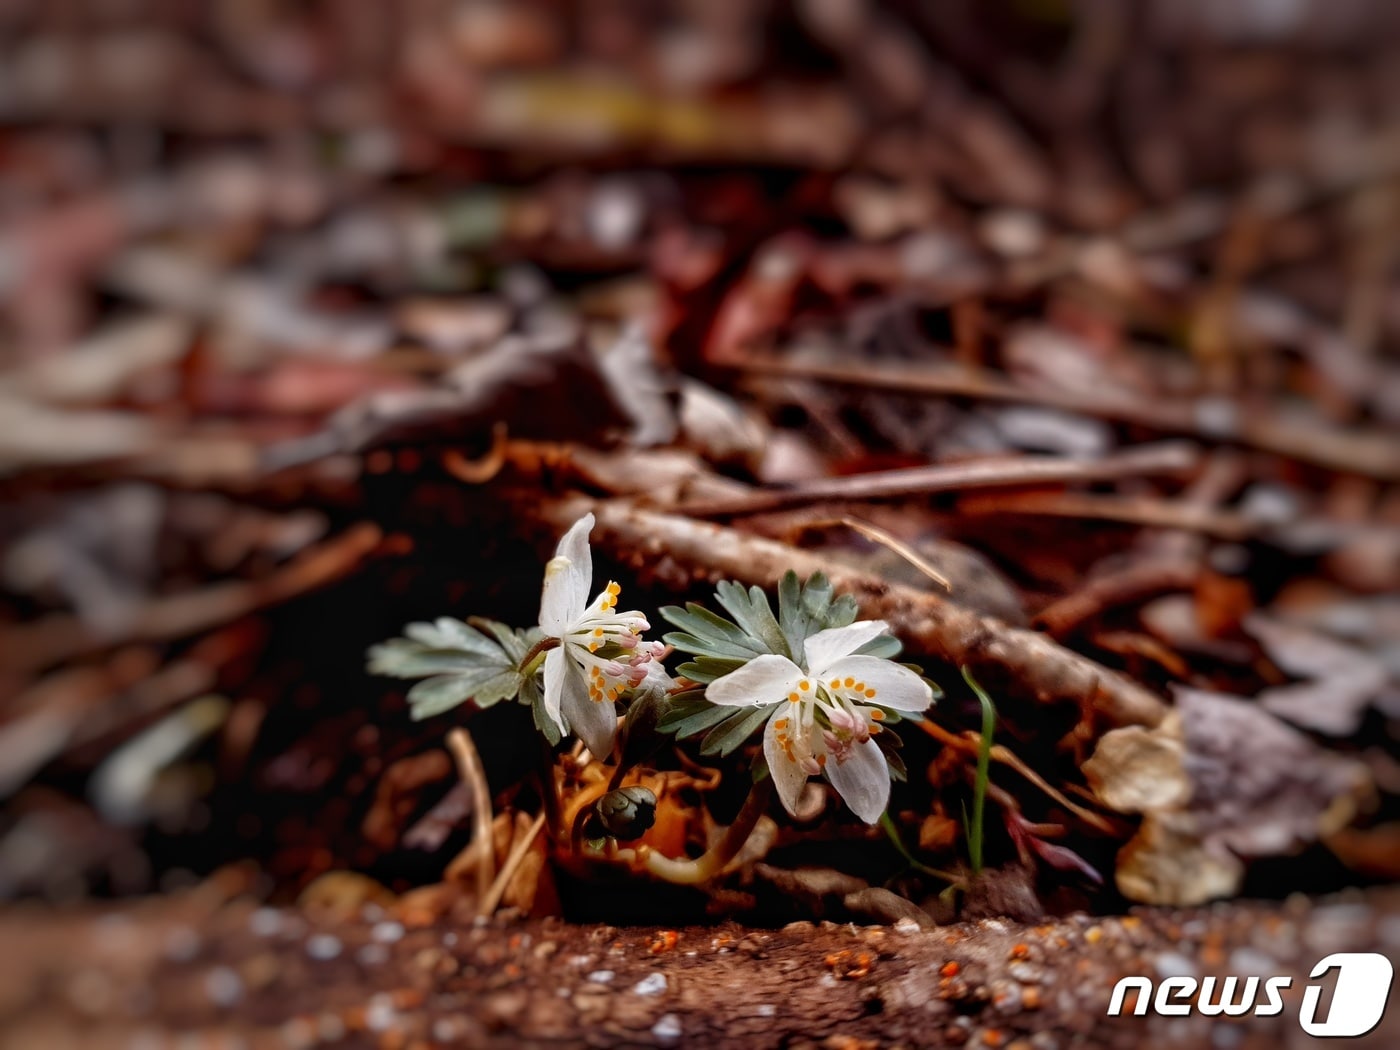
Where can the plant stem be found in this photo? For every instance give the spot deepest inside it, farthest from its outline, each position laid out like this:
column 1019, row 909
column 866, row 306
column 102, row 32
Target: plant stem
column 714, row 860
column 528, row 664
column 984, row 759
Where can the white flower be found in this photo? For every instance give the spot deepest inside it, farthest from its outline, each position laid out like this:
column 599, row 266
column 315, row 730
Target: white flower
column 833, row 709
column 600, row 652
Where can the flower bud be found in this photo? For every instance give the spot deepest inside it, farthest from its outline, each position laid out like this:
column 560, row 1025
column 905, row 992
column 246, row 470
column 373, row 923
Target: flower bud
column 628, row 812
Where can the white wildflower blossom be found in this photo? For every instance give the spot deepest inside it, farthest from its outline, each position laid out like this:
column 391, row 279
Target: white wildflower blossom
column 834, row 707
column 601, row 651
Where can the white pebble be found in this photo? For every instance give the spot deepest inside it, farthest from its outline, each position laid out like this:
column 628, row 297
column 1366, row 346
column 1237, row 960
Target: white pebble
column 265, row 922
column 667, row 1028
column 387, row 932
column 182, row 945
column 651, row 984
column 906, row 925
column 601, row 976
column 223, row 986
column 372, row 955
column 380, row 1014
column 766, row 1010
column 323, row 946
column 1172, row 964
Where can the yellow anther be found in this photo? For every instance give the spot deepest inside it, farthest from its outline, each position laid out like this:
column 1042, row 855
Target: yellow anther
column 793, row 698
column 878, row 716
column 780, row 723
column 870, row 694
column 613, row 588
column 597, row 632
column 836, row 683
column 850, row 682
column 804, row 685
column 860, row 687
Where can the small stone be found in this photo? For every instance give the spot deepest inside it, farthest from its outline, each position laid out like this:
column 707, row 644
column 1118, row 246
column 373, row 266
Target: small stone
column 651, row 984
column 223, row 986
column 667, row 1028
column 387, row 932
column 1172, row 964
column 330, row 1028
column 372, row 955
column 322, row 946
column 380, row 1014
column 266, row 922
column 1006, row 996
column 766, row 1010
column 1026, row 973
column 906, row 926
column 182, row 945
column 601, row 976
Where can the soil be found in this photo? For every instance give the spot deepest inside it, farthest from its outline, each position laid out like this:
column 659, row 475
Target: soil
column 191, row 971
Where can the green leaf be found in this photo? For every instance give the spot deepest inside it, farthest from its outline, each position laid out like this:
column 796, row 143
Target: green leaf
column 754, row 615
column 886, row 646
column 984, row 760
column 689, row 714
column 447, row 633
column 689, row 643
column 705, row 669
column 735, row 729
column 533, row 695
column 515, row 643
column 486, row 686
column 403, row 658
column 709, row 633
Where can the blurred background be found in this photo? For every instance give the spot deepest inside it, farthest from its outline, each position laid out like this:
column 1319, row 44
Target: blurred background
column 283, row 285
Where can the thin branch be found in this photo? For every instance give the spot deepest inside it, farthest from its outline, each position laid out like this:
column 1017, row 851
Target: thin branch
column 60, row 639
column 480, row 849
column 928, row 623
column 1300, row 437
column 492, row 899
column 1168, row 458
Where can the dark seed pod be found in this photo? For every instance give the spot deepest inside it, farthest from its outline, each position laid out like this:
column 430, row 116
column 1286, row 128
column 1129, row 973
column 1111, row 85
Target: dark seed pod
column 627, row 813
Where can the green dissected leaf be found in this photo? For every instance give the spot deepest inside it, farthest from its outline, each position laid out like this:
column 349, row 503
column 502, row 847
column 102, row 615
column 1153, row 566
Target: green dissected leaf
column 640, row 734
column 516, row 643
column 457, row 661
column 486, row 686
column 447, row 633
column 688, row 714
column 689, row 643
column 754, row 615
column 532, row 695
column 405, row 658
column 735, row 729
column 890, row 743
column 705, row 633
column 886, row 646
column 705, row 669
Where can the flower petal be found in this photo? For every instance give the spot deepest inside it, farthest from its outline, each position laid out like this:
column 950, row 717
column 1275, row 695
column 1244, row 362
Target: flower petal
column 762, row 680
column 826, row 647
column 896, row 687
column 862, row 780
column 788, row 776
column 555, row 667
column 593, row 721
column 567, row 579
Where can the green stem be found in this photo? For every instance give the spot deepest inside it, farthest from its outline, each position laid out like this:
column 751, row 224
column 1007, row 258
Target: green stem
column 984, row 760
column 887, row 823
column 714, row 860
column 531, row 662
